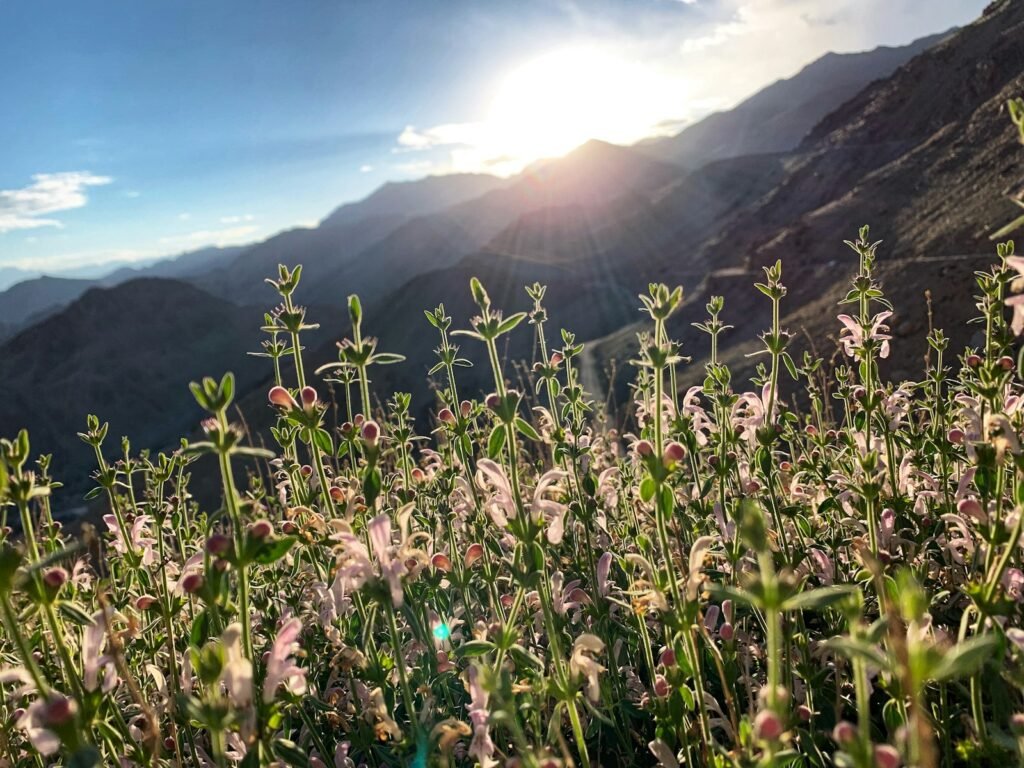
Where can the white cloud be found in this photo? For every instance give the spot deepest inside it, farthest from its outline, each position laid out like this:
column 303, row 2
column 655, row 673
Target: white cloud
column 29, row 207
column 184, row 216
column 218, row 237
column 53, row 264
column 236, row 219
column 365, row 168
column 415, row 166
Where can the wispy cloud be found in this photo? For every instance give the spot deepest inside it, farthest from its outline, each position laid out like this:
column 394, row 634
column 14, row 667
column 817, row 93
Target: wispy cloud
column 218, row 237
column 237, row 219
column 32, row 206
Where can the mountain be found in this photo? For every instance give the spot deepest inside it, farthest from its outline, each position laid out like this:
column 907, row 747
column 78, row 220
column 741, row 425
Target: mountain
column 415, row 198
column 927, row 156
column 126, row 354
column 11, row 275
column 778, row 117
column 36, row 298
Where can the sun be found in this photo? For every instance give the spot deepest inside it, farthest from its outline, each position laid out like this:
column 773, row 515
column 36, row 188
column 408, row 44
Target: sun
column 553, row 103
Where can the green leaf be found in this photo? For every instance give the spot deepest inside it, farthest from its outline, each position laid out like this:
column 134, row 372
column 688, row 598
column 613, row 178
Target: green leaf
column 475, row 648
column 647, row 488
column 274, row 550
column 816, row 599
column 496, row 442
column 323, row 441
column 76, row 612
column 511, row 322
column 858, row 649
column 290, row 752
column 527, row 429
column 964, row 659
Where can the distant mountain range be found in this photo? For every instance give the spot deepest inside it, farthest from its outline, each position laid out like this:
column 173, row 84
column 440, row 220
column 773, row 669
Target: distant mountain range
column 912, row 140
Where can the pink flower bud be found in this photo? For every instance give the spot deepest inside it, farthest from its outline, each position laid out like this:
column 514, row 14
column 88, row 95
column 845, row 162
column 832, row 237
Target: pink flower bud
column 493, row 401
column 308, row 396
column 726, row 632
column 55, row 578
column 644, row 448
column 145, row 602
column 445, row 416
column 506, row 600
column 973, row 361
column 306, row 470
column 887, row 756
column 811, row 430
column 280, row 397
column 1006, row 363
column 473, row 554
column 661, row 687
column 59, row 710
column 674, row 452
column 785, row 466
column 844, row 732
column 371, row 433
column 192, row 583
column 289, row 528
column 956, row 436
column 441, row 562
column 466, row 408
column 346, row 428
column 768, row 726
column 556, row 359
column 804, row 713
column 261, row 529
column 359, row 419
column 667, row 658
column 218, row 544
column 337, row 494
column 727, row 608
column 418, row 475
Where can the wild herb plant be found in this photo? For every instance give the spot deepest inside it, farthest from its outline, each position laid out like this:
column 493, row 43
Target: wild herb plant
column 738, row 580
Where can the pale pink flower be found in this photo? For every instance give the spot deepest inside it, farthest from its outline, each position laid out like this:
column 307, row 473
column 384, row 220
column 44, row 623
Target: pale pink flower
column 583, row 663
column 853, row 337
column 236, row 676
column 281, row 667
column 137, row 539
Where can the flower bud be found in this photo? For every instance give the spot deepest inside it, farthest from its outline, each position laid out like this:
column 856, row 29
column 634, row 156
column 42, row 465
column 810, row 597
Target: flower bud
column 667, row 658
column 556, row 359
column 289, row 528
column 337, row 494
column 280, row 397
column 673, row 452
column 144, row 602
column 261, row 529
column 661, row 686
column 306, row 471
column 1017, row 723
column 192, row 583
column 1006, row 363
column 218, row 544
column 309, row 397
column 768, row 726
column 844, row 732
column 493, row 400
column 887, row 756
column 474, row 553
column 785, row 466
column 359, row 419
column 466, row 408
column 804, row 713
column 441, row 562
column 811, row 430
column 506, row 600
column 59, row 710
column 726, row 632
column 55, row 578
column 371, row 433
column 445, row 416
column 418, row 475
column 956, row 436
column 644, row 448
column 973, row 361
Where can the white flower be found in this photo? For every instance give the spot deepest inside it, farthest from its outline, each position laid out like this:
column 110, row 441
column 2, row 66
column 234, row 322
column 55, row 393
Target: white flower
column 583, row 664
column 237, row 673
column 281, row 668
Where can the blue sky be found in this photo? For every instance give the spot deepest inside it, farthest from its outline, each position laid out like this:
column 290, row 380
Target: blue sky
column 138, row 128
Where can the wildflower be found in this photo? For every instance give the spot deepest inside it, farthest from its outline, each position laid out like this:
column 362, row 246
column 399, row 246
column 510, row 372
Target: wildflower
column 853, row 337
column 583, row 664
column 390, row 568
column 371, row 433
column 887, row 756
column 309, row 397
column 1001, row 434
column 695, row 578
column 384, row 726
column 281, row 668
column 32, row 720
column 844, row 733
column 663, row 754
column 474, row 553
column 604, row 565
column 768, row 726
column 1017, row 300
column 481, row 747
column 236, row 676
column 552, row 511
column 280, row 397
column 136, row 540
column 94, row 661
